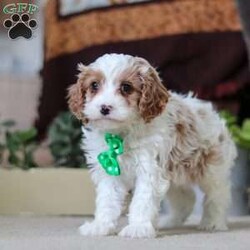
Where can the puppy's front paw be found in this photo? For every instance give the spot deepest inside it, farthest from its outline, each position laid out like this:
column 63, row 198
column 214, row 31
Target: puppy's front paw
column 143, row 230
column 212, row 225
column 97, row 228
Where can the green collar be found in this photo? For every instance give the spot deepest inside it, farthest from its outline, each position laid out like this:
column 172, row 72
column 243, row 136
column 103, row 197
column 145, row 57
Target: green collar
column 108, row 159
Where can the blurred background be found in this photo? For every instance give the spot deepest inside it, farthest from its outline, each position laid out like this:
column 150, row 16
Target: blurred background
column 198, row 46
column 195, row 45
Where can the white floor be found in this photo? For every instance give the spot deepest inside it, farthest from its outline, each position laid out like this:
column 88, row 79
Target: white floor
column 45, row 233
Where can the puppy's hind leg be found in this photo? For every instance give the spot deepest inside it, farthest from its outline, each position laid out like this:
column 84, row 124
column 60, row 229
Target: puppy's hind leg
column 216, row 187
column 181, row 200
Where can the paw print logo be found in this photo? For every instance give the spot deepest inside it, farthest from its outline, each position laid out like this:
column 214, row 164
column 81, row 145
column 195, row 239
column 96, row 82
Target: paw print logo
column 20, row 26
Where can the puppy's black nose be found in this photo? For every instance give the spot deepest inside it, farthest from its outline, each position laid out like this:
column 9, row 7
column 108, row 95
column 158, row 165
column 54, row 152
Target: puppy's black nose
column 105, row 109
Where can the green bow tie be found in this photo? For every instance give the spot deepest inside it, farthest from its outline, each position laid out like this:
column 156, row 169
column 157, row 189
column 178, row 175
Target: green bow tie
column 108, row 159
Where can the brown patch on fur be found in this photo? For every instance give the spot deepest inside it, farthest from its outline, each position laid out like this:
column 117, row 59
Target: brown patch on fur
column 205, row 159
column 213, row 157
column 188, row 161
column 149, row 94
column 170, row 166
column 90, row 77
column 195, row 166
column 180, row 129
column 131, row 75
column 184, row 127
column 193, row 163
column 78, row 92
column 76, row 99
column 154, row 95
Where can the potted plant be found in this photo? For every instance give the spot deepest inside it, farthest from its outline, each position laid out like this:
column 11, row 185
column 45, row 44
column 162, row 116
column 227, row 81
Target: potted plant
column 64, row 188
column 65, row 137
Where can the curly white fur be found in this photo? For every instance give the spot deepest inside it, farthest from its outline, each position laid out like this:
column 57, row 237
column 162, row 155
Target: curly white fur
column 187, row 143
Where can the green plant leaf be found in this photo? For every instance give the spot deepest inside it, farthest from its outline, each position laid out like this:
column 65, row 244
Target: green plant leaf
column 29, row 160
column 20, row 146
column 27, row 135
column 244, row 136
column 2, row 147
column 246, row 126
column 14, row 160
column 241, row 136
column 12, row 141
column 228, row 117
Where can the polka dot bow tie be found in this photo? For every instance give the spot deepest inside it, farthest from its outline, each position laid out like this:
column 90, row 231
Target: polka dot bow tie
column 108, row 159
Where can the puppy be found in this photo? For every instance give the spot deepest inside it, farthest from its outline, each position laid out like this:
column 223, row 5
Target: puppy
column 170, row 143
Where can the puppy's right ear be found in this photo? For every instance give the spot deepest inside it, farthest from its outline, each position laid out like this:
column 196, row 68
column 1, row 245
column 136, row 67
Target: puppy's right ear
column 76, row 95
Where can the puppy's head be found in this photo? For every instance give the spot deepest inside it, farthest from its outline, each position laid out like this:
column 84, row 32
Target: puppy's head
column 115, row 90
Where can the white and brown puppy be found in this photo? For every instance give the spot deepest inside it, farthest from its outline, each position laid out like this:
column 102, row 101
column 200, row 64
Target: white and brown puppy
column 170, row 143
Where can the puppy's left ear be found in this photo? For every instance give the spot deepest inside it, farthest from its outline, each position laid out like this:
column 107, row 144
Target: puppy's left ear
column 154, row 95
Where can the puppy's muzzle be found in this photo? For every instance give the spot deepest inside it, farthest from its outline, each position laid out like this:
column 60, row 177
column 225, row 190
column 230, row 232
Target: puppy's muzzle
column 105, row 109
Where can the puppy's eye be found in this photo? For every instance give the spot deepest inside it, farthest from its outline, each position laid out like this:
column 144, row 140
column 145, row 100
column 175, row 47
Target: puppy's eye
column 126, row 88
column 94, row 86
